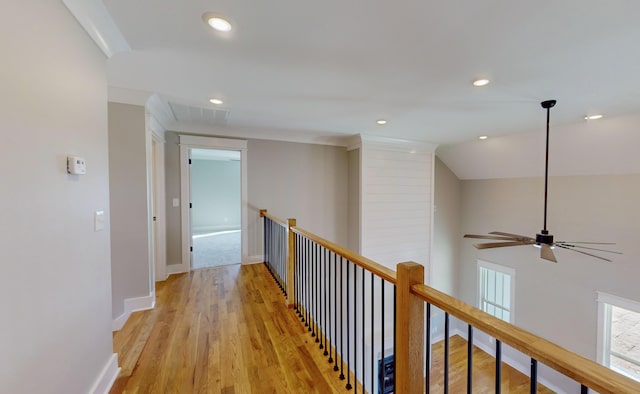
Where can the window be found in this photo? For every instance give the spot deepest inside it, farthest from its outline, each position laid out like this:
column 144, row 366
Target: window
column 496, row 290
column 619, row 334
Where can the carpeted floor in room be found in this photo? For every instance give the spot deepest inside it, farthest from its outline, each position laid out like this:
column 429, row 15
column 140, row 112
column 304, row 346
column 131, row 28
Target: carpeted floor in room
column 216, row 248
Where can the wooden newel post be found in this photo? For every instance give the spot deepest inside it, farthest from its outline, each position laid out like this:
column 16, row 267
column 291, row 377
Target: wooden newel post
column 263, row 212
column 409, row 353
column 291, row 264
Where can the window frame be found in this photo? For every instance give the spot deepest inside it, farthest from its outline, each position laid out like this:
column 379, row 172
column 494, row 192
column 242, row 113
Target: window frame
column 605, row 302
column 512, row 293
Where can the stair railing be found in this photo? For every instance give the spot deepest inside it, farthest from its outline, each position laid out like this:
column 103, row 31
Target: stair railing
column 366, row 317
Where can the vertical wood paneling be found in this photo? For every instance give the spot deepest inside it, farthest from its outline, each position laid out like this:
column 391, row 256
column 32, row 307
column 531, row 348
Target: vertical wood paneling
column 396, row 201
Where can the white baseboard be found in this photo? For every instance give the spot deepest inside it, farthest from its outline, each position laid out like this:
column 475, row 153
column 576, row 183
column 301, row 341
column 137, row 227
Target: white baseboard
column 133, row 305
column 254, row 259
column 107, row 377
column 173, row 269
column 519, row 366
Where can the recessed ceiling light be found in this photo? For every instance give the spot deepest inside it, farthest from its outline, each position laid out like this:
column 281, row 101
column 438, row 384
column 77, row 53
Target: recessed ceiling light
column 481, row 82
column 216, row 101
column 483, row 137
column 381, row 121
column 593, row 117
column 217, row 21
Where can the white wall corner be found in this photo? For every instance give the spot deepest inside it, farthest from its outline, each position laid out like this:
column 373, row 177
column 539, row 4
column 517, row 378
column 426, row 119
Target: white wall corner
column 254, row 259
column 398, row 144
column 353, row 142
column 133, row 305
column 97, row 22
column 160, row 111
column 107, row 377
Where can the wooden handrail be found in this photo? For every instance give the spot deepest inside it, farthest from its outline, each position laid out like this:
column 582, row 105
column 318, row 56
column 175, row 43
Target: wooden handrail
column 385, row 273
column 265, row 214
column 578, row 368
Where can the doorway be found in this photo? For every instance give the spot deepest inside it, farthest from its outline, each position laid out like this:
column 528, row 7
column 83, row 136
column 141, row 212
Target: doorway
column 215, row 207
column 195, row 230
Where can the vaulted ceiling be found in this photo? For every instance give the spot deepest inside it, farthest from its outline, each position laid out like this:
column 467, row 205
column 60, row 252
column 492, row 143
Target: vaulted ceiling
column 332, row 68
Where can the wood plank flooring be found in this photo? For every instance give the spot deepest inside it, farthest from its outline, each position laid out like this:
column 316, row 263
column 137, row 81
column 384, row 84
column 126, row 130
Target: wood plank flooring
column 228, row 330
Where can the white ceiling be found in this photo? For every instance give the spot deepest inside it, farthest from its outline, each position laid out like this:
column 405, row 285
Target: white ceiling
column 333, row 67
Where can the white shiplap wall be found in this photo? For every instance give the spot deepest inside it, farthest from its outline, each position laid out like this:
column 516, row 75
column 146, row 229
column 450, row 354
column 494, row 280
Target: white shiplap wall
column 396, row 200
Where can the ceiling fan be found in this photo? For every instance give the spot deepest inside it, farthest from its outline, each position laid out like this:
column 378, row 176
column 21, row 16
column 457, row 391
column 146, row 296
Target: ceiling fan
column 543, row 240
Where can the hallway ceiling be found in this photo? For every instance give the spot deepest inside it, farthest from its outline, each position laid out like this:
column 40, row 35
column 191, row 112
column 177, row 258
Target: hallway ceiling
column 333, row 67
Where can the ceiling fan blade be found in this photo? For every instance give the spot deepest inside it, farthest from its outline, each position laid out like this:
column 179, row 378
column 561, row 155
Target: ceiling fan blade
column 519, row 237
column 591, row 243
column 546, row 253
column 570, row 245
column 580, row 251
column 490, row 237
column 501, row 244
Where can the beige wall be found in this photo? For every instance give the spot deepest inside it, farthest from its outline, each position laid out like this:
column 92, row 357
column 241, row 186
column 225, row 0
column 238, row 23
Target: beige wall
column 172, row 187
column 129, row 204
column 56, row 281
column 354, row 200
column 557, row 301
column 304, row 181
column 446, row 230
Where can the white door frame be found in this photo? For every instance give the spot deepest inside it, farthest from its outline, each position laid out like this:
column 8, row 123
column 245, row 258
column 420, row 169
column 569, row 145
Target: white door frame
column 155, row 191
column 188, row 142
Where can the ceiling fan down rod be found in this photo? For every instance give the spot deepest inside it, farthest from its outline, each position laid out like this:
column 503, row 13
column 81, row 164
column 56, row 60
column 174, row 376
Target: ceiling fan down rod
column 547, row 105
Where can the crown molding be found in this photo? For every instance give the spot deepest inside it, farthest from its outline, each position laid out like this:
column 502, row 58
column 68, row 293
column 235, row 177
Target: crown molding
column 97, row 22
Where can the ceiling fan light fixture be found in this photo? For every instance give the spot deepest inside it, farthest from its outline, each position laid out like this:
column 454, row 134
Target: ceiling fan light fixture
column 481, row 82
column 217, row 22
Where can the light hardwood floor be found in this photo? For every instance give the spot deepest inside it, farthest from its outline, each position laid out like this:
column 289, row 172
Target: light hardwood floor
column 227, row 330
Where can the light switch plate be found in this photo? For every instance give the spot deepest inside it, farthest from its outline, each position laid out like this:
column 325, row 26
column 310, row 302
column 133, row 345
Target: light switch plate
column 98, row 221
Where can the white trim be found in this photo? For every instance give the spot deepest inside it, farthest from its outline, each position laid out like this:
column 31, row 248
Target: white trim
column 491, row 350
column 161, row 111
column 133, row 305
column 157, row 200
column 255, row 259
column 397, row 143
column 97, row 22
column 107, row 376
column 173, row 269
column 188, row 142
column 151, row 257
column 512, row 291
column 603, row 342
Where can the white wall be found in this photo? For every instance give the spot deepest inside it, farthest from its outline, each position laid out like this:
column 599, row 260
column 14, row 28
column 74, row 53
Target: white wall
column 55, row 288
column 446, row 230
column 129, row 204
column 557, row 301
column 215, row 193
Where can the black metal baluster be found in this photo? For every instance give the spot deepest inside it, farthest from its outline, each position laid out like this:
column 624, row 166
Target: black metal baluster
column 308, row 285
column 348, row 386
column 335, row 311
column 395, row 338
column 355, row 328
column 534, row 376
column 498, row 366
column 316, row 310
column 325, row 328
column 372, row 334
column 382, row 372
column 363, row 317
column 446, row 353
column 296, row 284
column 469, row 359
column 584, row 389
column 321, row 328
column 314, row 299
column 427, row 350
column 342, row 320
column 330, row 303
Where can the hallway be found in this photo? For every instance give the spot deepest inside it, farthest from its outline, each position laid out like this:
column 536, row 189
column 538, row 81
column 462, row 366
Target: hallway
column 220, row 330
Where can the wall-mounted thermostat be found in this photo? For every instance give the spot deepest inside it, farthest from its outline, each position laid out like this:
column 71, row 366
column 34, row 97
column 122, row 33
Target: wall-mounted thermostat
column 76, row 165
